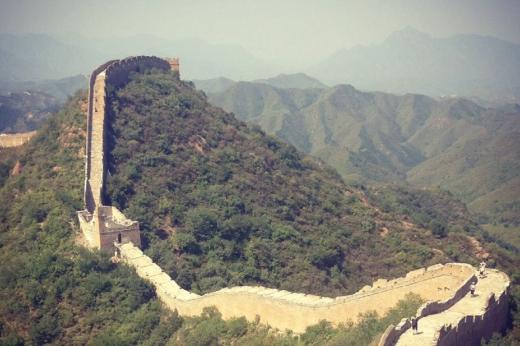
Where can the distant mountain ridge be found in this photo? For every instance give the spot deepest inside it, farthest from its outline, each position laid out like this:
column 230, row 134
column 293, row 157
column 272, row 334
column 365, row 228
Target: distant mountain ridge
column 412, row 61
column 39, row 56
column 214, row 85
column 58, row 88
column 407, row 61
column 293, row 81
column 452, row 142
column 281, row 81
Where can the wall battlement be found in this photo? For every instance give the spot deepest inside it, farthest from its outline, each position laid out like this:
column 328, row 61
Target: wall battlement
column 10, row 140
column 98, row 222
column 295, row 311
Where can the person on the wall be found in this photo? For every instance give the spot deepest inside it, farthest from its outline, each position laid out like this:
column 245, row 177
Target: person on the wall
column 472, row 289
column 482, row 269
column 415, row 325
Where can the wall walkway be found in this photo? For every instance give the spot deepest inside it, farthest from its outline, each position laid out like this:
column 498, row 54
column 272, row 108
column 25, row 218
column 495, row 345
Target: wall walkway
column 103, row 225
column 295, row 311
column 469, row 320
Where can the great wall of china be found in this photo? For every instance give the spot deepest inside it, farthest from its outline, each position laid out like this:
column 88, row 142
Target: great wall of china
column 10, row 140
column 451, row 316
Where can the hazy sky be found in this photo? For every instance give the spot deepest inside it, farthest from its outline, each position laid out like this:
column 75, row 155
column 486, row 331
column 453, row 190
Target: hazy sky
column 295, row 29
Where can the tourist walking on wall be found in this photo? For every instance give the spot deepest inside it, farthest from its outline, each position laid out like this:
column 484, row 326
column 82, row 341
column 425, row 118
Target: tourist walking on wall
column 415, row 324
column 482, row 269
column 472, row 289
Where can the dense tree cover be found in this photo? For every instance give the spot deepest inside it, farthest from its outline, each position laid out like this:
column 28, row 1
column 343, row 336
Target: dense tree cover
column 8, row 157
column 434, row 209
column 230, row 206
column 52, row 292
column 222, row 204
column 378, row 137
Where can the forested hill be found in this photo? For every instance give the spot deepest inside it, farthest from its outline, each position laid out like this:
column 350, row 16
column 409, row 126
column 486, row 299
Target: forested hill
column 372, row 136
column 220, row 204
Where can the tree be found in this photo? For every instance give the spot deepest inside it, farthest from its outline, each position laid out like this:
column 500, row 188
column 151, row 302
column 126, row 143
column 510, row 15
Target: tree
column 439, row 230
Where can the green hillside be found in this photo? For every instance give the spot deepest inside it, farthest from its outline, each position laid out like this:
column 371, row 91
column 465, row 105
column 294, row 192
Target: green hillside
column 372, row 136
column 220, row 204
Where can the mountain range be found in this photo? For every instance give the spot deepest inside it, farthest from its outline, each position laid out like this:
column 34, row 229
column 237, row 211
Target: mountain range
column 40, row 56
column 410, row 61
column 372, row 136
column 281, row 81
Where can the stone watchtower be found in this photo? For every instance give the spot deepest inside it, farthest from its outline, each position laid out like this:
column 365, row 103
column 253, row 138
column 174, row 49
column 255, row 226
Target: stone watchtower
column 174, row 64
column 105, row 226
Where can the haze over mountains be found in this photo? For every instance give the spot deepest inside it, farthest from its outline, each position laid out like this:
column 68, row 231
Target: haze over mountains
column 407, row 61
column 39, row 56
column 373, row 136
column 368, row 135
column 412, row 61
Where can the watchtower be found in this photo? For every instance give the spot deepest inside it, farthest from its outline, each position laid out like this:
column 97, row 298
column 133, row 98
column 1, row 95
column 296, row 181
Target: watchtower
column 174, row 64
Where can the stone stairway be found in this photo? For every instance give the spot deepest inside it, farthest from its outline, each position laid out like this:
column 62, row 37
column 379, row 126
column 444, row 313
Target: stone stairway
column 494, row 283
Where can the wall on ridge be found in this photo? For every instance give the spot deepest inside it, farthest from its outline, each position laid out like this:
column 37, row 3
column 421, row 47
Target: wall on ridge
column 118, row 73
column 88, row 195
column 10, row 140
column 101, row 225
column 296, row 311
column 114, row 73
column 471, row 329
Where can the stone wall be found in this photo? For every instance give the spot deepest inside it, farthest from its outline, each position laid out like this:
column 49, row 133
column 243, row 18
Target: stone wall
column 88, row 194
column 472, row 329
column 10, row 140
column 113, row 74
column 105, row 227
column 434, row 307
column 392, row 333
column 101, row 225
column 296, row 311
column 118, row 73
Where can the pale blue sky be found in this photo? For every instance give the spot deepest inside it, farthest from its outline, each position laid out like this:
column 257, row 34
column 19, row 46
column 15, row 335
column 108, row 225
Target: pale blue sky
column 287, row 30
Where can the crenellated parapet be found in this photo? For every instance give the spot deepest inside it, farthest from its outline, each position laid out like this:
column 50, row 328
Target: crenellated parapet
column 465, row 319
column 10, row 140
column 473, row 327
column 440, row 285
column 103, row 225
